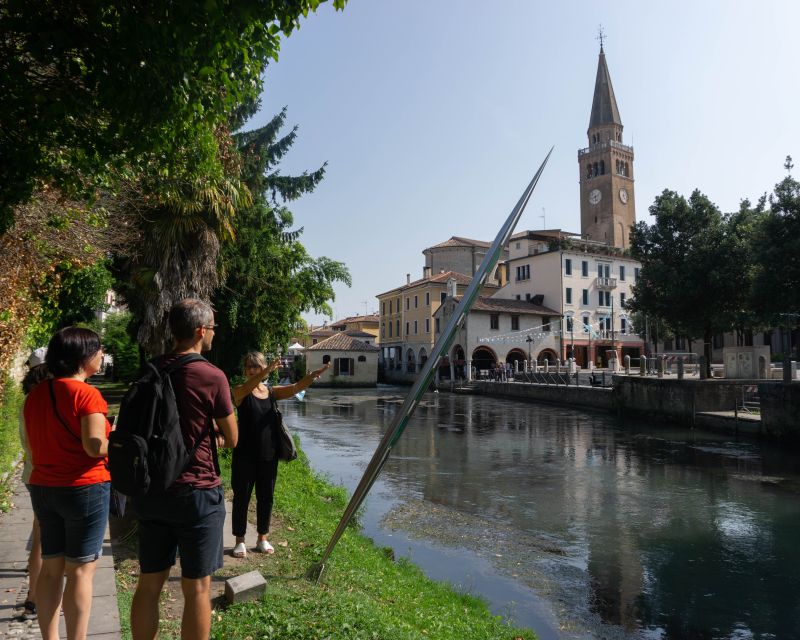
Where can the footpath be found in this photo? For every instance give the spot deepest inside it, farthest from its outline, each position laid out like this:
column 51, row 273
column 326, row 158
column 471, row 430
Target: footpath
column 104, row 623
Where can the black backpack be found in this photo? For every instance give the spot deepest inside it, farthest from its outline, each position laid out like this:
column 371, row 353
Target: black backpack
column 146, row 450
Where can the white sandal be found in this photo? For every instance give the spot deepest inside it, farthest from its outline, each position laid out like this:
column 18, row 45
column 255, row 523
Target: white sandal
column 239, row 551
column 262, row 546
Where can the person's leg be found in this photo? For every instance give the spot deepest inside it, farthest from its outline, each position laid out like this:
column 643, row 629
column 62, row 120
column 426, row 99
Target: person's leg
column 196, row 622
column 78, row 598
column 48, row 596
column 242, row 481
column 34, row 562
column 265, row 495
column 144, row 608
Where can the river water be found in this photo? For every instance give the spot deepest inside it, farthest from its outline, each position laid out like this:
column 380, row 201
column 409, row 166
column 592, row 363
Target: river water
column 568, row 523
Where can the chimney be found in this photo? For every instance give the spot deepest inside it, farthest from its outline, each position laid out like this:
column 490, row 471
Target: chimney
column 452, row 289
column 408, row 278
column 426, row 272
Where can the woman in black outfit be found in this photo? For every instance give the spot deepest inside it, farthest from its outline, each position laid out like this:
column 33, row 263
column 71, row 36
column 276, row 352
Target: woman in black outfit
column 255, row 461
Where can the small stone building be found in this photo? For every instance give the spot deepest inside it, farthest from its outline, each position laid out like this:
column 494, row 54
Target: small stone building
column 354, row 363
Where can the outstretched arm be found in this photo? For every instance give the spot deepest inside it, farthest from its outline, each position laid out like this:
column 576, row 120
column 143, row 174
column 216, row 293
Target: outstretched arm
column 241, row 391
column 288, row 390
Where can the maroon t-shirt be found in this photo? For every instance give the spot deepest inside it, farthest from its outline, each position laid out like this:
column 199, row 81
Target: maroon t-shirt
column 202, row 393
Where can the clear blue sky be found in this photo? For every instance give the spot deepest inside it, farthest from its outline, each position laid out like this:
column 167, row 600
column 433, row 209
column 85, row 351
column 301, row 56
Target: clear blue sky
column 433, row 115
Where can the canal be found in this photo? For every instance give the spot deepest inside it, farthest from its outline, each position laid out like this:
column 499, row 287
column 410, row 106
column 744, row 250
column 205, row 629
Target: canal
column 569, row 524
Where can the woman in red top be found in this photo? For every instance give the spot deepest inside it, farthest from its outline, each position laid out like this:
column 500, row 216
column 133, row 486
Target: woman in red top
column 67, row 429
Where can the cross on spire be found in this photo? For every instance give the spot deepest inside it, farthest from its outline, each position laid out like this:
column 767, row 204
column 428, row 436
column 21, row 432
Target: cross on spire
column 601, row 37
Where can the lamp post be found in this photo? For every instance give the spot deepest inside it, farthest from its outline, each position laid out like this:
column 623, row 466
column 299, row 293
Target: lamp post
column 571, row 323
column 529, row 340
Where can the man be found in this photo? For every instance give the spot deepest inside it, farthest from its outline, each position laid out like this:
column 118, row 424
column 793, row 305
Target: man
column 190, row 516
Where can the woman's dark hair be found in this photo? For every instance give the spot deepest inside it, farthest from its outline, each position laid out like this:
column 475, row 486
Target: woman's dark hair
column 69, row 348
column 34, row 376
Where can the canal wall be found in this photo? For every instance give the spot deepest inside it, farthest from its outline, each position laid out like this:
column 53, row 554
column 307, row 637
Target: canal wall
column 780, row 410
column 585, row 397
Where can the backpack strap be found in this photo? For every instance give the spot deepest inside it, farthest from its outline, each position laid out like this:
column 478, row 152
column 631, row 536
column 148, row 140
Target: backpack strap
column 58, row 415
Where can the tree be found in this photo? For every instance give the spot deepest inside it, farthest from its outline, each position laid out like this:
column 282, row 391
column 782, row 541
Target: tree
column 270, row 279
column 101, row 90
column 696, row 269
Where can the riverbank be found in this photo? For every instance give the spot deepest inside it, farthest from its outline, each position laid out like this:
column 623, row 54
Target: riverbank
column 364, row 594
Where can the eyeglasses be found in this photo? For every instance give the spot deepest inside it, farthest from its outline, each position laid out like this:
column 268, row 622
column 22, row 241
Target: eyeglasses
column 211, row 326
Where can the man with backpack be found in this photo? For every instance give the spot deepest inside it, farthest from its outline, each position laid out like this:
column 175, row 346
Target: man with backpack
column 189, row 515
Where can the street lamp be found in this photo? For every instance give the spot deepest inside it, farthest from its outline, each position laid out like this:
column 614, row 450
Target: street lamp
column 571, row 323
column 529, row 340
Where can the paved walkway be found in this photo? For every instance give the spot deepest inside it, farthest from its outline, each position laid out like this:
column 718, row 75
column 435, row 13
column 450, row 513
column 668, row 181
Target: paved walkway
column 15, row 531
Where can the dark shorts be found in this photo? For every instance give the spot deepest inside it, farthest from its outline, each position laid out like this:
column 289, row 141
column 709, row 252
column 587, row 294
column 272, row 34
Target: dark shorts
column 72, row 520
column 189, row 522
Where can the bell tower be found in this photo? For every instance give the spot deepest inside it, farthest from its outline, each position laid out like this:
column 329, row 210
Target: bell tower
column 606, row 169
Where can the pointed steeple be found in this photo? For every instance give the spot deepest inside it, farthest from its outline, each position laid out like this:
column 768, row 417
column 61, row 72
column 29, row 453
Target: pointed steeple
column 604, row 104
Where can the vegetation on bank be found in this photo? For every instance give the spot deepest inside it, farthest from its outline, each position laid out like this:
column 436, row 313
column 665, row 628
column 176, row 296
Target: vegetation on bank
column 10, row 406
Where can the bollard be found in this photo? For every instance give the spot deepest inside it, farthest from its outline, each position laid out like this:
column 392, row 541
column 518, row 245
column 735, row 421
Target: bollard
column 661, row 364
column 680, row 367
column 643, row 366
column 627, row 365
column 702, row 366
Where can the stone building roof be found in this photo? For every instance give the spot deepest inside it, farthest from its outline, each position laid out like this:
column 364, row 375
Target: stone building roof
column 501, row 305
column 340, row 341
column 370, row 318
column 441, row 278
column 604, row 104
column 458, row 241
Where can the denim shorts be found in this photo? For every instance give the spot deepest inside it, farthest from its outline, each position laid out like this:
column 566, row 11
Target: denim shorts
column 190, row 522
column 72, row 519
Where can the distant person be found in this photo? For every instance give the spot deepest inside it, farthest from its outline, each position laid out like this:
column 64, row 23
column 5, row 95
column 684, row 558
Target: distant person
column 255, row 462
column 35, row 374
column 189, row 517
column 67, row 431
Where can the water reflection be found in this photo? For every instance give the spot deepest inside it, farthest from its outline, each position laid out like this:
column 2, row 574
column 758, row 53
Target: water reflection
column 637, row 532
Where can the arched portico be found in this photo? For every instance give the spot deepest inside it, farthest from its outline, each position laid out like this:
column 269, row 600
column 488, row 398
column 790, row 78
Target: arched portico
column 484, row 358
column 514, row 356
column 411, row 361
column 546, row 355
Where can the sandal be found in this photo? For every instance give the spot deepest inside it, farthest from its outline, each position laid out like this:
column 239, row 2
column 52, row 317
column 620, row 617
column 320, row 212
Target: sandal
column 239, row 551
column 262, row 546
column 28, row 611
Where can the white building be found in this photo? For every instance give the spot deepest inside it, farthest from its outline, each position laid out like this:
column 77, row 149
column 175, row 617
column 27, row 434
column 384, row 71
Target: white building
column 354, row 363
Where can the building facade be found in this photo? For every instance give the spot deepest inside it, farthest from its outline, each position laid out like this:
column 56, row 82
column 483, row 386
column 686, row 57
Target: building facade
column 353, row 363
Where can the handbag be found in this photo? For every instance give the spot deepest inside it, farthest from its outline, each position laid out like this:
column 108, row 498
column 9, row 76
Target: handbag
column 286, row 450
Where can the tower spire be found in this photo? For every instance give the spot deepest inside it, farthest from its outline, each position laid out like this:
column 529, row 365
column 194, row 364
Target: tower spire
column 604, row 104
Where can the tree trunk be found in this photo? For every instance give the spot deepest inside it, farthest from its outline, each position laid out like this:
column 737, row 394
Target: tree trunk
column 707, row 336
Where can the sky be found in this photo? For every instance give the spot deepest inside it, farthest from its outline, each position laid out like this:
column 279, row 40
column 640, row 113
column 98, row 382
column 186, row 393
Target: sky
column 433, row 116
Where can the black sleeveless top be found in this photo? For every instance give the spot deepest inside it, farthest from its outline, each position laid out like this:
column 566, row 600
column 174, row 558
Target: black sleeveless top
column 257, row 432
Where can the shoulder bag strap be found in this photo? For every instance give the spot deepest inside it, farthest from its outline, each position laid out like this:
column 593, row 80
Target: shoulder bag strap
column 58, row 415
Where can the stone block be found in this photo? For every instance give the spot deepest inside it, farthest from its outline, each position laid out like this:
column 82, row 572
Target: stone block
column 248, row 586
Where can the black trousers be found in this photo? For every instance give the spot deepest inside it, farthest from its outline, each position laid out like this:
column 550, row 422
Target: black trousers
column 245, row 474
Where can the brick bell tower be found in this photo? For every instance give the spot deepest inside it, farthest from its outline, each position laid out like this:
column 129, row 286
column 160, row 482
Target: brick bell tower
column 606, row 169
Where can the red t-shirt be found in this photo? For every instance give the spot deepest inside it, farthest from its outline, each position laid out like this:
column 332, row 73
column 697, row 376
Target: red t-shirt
column 202, row 394
column 59, row 459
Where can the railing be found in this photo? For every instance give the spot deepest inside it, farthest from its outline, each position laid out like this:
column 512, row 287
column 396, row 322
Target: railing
column 604, row 145
column 606, row 284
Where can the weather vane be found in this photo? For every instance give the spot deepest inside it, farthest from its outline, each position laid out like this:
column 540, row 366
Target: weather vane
column 601, row 36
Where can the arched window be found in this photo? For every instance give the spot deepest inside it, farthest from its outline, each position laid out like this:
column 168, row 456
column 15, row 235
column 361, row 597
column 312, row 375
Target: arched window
column 326, row 359
column 595, row 169
column 362, row 358
column 602, row 168
column 589, row 170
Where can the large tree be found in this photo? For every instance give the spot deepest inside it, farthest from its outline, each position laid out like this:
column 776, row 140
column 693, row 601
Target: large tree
column 270, row 279
column 95, row 90
column 696, row 269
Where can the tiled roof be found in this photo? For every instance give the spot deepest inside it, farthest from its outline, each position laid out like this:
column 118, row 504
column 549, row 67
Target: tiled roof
column 501, row 305
column 441, row 278
column 369, row 318
column 342, row 342
column 355, row 333
column 321, row 333
column 458, row 241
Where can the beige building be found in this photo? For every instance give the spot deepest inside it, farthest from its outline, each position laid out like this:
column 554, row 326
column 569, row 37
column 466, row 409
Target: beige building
column 366, row 324
column 354, row 363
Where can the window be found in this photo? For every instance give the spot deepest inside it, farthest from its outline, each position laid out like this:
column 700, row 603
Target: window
column 383, row 329
column 383, row 308
column 586, row 324
column 519, row 297
column 362, row 358
column 415, row 302
column 528, row 297
column 343, row 367
column 494, row 321
column 442, row 296
column 585, row 299
column 622, row 300
column 680, row 343
column 585, row 268
column 517, row 245
column 570, row 326
column 636, row 274
column 622, row 272
column 603, row 270
column 390, row 329
column 568, row 266
column 569, row 295
column 427, row 325
column 408, row 324
column 415, row 327
column 719, row 340
column 398, row 328
column 438, row 329
column 407, row 303
column 545, row 323
column 427, row 298
column 326, row 359
column 604, row 298
column 515, row 323
column 524, row 272
column 623, row 326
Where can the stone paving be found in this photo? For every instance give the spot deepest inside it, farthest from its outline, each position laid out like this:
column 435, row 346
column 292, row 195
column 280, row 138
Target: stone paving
column 15, row 531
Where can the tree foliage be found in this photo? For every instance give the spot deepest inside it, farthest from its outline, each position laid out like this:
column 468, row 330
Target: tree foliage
column 270, row 279
column 98, row 90
column 696, row 267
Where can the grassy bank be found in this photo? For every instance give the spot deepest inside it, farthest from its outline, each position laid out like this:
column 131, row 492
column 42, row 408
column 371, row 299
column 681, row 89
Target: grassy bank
column 364, row 593
column 10, row 446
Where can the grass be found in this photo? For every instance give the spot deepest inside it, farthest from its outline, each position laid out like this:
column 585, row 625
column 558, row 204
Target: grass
column 10, row 446
column 364, row 593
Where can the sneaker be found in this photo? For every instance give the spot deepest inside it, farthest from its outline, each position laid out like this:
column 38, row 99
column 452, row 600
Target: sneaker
column 262, row 546
column 239, row 551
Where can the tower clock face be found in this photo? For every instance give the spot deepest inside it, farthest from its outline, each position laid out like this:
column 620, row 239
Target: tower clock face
column 623, row 195
column 595, row 196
